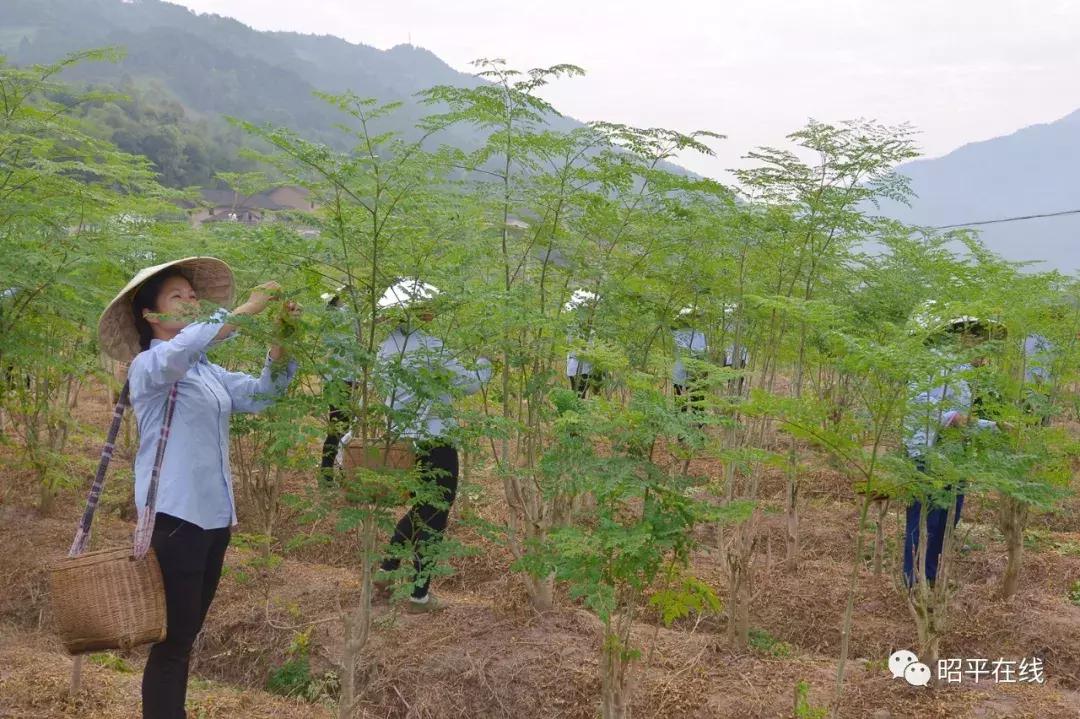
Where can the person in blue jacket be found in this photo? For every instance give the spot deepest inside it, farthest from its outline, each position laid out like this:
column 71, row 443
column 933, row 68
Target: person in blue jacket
column 948, row 403
column 154, row 323
column 419, row 377
column 581, row 373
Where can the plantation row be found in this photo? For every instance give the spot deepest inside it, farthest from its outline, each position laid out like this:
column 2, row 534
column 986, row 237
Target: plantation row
column 626, row 318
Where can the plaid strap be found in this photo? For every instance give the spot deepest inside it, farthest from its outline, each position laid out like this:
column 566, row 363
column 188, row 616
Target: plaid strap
column 144, row 530
column 82, row 534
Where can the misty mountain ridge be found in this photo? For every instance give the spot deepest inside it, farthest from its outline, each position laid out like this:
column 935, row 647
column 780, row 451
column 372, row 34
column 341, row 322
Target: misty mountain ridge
column 1035, row 170
column 192, row 69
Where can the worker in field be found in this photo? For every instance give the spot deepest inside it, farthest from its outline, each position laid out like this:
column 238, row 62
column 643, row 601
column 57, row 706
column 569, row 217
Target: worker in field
column 580, row 372
column 182, row 402
column 736, row 353
column 944, row 402
column 339, row 379
column 690, row 343
column 419, row 377
column 1039, row 358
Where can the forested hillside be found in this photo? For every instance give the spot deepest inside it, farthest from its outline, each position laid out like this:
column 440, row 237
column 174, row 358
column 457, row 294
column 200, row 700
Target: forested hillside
column 184, row 72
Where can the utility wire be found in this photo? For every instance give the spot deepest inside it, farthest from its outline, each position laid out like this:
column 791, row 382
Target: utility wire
column 1007, row 219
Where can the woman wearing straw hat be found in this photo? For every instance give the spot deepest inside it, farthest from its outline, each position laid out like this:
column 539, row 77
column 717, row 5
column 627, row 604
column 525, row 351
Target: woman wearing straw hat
column 419, row 377
column 580, row 371
column 189, row 513
column 339, row 381
column 947, row 400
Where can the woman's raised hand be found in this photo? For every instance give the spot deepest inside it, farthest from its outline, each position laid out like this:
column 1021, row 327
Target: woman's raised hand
column 261, row 296
column 288, row 318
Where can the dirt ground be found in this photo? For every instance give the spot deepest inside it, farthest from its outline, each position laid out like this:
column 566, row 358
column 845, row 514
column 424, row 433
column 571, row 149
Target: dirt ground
column 490, row 655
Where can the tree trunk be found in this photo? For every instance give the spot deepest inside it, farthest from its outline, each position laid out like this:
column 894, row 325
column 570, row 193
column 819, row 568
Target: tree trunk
column 849, row 609
column 615, row 697
column 541, row 592
column 1013, row 519
column 347, row 697
column 46, row 495
column 791, row 557
column 740, row 555
column 879, row 536
column 357, row 623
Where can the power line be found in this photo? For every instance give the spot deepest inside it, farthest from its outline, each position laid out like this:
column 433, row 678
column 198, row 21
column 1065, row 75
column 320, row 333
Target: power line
column 1007, row 219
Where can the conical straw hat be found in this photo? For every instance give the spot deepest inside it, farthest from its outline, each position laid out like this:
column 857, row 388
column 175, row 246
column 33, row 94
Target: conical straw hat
column 211, row 279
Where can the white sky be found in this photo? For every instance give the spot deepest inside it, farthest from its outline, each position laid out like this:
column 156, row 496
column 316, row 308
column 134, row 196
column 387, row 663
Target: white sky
column 754, row 70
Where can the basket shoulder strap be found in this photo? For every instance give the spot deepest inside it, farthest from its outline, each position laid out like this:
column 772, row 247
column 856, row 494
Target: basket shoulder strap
column 144, row 529
column 82, row 533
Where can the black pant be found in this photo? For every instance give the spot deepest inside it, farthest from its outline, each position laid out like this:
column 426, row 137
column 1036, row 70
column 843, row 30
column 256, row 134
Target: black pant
column 425, row 523
column 191, row 560
column 582, row 383
column 339, row 423
column 687, row 402
column 937, row 518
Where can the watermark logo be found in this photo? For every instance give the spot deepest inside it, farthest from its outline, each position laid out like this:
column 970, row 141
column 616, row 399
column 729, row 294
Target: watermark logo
column 900, row 661
column 906, row 665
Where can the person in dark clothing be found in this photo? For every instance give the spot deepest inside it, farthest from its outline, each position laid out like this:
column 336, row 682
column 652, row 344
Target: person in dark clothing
column 419, row 377
column 425, row 522
column 191, row 559
column 950, row 403
column 339, row 384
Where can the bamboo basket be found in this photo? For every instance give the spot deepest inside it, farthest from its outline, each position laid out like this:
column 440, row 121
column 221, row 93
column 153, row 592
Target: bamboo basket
column 377, row 456
column 112, row 598
column 108, row 599
column 378, row 489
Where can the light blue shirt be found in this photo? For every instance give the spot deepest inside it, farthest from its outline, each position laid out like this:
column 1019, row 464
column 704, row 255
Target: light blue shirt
column 195, row 483
column 419, row 377
column 341, row 342
column 686, row 341
column 575, row 366
column 1037, row 359
column 932, row 410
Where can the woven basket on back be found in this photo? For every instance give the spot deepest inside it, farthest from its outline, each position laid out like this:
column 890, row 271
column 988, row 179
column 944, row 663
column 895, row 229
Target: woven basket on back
column 112, row 598
column 376, row 455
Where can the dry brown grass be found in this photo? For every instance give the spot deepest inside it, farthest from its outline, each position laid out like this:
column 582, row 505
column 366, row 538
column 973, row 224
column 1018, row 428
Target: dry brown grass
column 489, row 655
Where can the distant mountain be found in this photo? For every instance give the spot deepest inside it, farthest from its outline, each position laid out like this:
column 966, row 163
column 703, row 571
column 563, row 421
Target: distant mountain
column 212, row 66
column 187, row 70
column 1032, row 171
column 184, row 71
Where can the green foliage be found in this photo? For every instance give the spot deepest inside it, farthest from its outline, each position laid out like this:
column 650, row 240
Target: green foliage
column 599, row 490
column 148, row 121
column 1074, row 593
column 294, row 677
column 762, row 641
column 803, row 708
column 692, row 596
column 110, row 660
column 70, row 204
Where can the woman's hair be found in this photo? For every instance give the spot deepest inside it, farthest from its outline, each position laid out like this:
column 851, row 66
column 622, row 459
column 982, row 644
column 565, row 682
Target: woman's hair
column 146, row 297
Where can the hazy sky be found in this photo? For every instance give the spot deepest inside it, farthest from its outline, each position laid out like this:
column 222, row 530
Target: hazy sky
column 958, row 70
